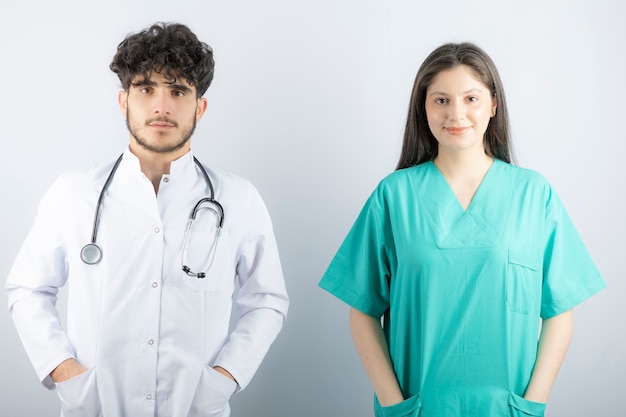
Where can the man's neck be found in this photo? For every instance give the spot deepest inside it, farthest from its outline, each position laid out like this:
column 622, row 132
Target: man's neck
column 154, row 165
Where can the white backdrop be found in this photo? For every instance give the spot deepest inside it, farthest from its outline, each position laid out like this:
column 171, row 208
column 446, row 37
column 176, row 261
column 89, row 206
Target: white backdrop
column 309, row 102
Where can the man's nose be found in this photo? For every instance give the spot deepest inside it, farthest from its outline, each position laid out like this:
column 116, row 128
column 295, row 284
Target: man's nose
column 162, row 102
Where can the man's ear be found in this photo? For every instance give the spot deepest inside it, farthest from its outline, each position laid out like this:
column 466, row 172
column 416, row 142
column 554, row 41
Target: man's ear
column 122, row 101
column 201, row 108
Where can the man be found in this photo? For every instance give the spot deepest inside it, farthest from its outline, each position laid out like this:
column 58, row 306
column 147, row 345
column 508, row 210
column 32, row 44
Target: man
column 150, row 299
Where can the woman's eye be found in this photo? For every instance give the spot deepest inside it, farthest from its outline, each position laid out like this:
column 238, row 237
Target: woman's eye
column 472, row 99
column 441, row 100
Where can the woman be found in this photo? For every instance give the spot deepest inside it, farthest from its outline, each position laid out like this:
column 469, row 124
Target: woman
column 463, row 255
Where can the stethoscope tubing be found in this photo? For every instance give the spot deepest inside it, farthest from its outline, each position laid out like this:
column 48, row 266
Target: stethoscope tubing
column 91, row 253
column 96, row 217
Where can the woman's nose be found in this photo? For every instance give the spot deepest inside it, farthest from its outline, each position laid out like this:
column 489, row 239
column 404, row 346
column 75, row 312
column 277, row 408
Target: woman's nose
column 456, row 110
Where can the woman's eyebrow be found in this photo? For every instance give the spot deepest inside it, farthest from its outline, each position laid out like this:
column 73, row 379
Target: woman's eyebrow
column 441, row 93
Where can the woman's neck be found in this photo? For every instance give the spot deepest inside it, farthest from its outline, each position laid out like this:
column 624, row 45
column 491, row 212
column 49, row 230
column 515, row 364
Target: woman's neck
column 464, row 173
column 458, row 165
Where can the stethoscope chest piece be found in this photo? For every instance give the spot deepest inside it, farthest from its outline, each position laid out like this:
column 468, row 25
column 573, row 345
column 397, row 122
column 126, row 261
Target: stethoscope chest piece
column 91, row 254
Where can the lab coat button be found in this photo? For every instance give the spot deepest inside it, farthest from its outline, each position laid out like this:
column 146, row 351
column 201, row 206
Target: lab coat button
column 151, row 342
column 157, row 230
column 154, row 285
column 149, row 397
column 166, row 179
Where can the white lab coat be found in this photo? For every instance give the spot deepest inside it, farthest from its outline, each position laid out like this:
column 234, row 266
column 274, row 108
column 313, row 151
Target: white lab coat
column 148, row 333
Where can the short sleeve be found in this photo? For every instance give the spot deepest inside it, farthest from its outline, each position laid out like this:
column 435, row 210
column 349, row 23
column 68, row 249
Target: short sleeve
column 570, row 275
column 360, row 271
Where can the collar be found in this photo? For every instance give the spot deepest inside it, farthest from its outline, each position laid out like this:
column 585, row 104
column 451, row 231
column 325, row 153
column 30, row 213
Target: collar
column 182, row 170
column 182, row 165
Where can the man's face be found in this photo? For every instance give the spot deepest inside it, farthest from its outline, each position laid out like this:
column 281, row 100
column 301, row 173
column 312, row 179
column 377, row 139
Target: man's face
column 161, row 114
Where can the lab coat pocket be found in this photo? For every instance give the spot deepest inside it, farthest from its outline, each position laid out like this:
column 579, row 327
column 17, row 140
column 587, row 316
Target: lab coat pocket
column 79, row 396
column 408, row 408
column 204, row 250
column 523, row 282
column 212, row 394
column 521, row 407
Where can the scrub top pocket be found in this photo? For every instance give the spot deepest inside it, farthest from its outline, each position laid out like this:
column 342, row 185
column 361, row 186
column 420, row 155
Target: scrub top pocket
column 521, row 407
column 408, row 408
column 523, row 282
column 79, row 396
column 221, row 274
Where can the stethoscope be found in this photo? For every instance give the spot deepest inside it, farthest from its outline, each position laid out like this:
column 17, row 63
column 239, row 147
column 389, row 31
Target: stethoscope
column 91, row 253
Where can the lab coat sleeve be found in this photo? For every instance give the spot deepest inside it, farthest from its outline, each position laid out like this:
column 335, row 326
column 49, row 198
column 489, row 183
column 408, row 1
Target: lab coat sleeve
column 32, row 286
column 262, row 300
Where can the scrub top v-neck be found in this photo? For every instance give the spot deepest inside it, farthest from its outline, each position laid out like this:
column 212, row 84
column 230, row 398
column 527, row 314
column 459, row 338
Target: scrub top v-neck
column 462, row 291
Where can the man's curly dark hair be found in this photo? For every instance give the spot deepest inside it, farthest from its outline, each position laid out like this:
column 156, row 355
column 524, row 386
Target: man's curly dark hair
column 170, row 49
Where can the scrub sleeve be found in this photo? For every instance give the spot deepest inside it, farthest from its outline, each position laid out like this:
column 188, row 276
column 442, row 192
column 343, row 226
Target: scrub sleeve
column 360, row 271
column 569, row 274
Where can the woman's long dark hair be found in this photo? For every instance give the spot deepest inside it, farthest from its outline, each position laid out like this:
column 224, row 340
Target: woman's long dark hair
column 419, row 144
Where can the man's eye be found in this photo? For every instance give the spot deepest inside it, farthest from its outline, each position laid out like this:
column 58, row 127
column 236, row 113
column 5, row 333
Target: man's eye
column 143, row 90
column 179, row 93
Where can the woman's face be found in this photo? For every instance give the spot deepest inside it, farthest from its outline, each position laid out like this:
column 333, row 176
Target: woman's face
column 458, row 109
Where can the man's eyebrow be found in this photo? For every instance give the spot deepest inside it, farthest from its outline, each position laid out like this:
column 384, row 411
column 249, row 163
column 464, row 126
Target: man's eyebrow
column 147, row 82
column 181, row 87
column 144, row 81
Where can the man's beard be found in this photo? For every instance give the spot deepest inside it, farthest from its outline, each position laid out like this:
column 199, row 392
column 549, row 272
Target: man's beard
column 184, row 138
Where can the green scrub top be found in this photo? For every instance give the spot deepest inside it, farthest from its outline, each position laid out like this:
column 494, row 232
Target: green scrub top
column 462, row 291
